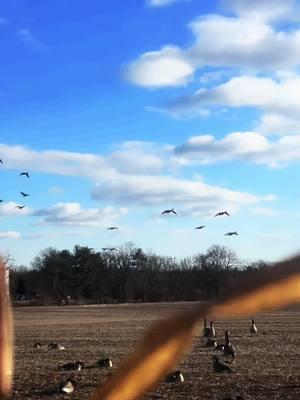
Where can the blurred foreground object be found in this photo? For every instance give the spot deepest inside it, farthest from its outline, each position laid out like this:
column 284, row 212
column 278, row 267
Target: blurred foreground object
column 166, row 342
column 6, row 356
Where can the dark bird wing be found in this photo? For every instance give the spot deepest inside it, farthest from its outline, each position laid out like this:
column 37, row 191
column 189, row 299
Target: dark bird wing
column 174, row 212
column 1, row 162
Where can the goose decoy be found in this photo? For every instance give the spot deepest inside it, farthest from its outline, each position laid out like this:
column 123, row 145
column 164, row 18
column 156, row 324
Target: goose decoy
column 78, row 366
column 55, row 346
column 24, row 174
column 20, row 207
column 200, row 227
column 222, row 213
column 229, row 349
column 175, row 376
column 231, row 233
column 24, row 194
column 172, row 210
column 253, row 328
column 68, row 386
column 220, row 366
column 112, row 228
column 37, row 345
column 104, row 363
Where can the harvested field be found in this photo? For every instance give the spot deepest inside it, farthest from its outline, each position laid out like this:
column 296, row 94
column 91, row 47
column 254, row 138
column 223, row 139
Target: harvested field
column 267, row 365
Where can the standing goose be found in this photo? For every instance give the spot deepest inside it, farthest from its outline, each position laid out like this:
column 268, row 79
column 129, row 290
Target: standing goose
column 171, row 210
column 68, row 386
column 220, row 366
column 231, row 233
column 222, row 213
column 229, row 349
column 253, row 328
column 175, row 376
column 24, row 174
column 206, row 329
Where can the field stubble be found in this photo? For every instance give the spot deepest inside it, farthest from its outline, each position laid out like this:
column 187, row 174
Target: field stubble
column 267, row 365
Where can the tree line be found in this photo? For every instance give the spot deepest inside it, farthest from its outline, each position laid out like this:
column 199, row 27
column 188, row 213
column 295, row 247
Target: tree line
column 85, row 275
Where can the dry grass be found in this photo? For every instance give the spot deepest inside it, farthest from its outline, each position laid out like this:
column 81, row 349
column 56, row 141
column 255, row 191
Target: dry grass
column 267, row 366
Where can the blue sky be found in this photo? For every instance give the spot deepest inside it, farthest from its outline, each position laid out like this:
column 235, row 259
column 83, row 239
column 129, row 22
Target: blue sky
column 119, row 112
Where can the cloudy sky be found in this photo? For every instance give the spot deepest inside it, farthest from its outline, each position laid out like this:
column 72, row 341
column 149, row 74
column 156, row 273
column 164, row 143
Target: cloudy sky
column 121, row 111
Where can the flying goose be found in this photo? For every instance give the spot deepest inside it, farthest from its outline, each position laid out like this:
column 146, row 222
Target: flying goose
column 175, row 376
column 253, row 328
column 24, row 194
column 231, row 233
column 222, row 213
column 200, row 227
column 172, row 210
column 55, row 346
column 111, row 228
column 20, row 207
column 78, row 366
column 104, row 363
column 220, row 366
column 229, row 349
column 24, row 174
column 68, row 386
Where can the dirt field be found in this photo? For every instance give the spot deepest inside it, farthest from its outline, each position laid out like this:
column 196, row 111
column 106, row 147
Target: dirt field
column 267, row 366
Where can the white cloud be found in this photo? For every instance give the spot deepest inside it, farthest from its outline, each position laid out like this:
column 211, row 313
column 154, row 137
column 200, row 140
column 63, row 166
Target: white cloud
column 247, row 146
column 10, row 235
column 29, row 40
column 8, row 209
column 162, row 3
column 71, row 214
column 242, row 42
column 166, row 67
column 264, row 211
column 271, row 123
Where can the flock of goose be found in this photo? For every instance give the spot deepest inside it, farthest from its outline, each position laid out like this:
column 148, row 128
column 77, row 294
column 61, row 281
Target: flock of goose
column 24, row 173
column 209, row 333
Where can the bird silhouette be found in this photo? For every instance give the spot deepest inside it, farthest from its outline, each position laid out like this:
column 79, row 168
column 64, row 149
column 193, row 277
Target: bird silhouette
column 220, row 366
column 200, row 227
column 20, row 207
column 231, row 233
column 172, row 210
column 1, row 200
column 24, row 194
column 1, row 162
column 222, row 213
column 24, row 174
column 111, row 228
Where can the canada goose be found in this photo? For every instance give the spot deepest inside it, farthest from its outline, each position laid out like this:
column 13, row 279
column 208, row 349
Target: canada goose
column 104, row 363
column 253, row 328
column 78, row 366
column 112, row 228
column 24, row 174
column 175, row 376
column 20, row 207
column 229, row 349
column 55, row 346
column 220, row 366
column 37, row 345
column 211, row 343
column 231, row 233
column 222, row 213
column 172, row 210
column 206, row 329
column 200, row 227
column 68, row 386
column 24, row 194
column 212, row 331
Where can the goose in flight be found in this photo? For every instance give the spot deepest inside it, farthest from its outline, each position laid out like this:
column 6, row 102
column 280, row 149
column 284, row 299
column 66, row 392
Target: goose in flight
column 111, row 228
column 68, row 386
column 24, row 174
column 231, row 233
column 24, row 194
column 253, row 328
column 109, row 248
column 200, row 227
column 222, row 213
column 172, row 210
column 220, row 366
column 20, row 207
